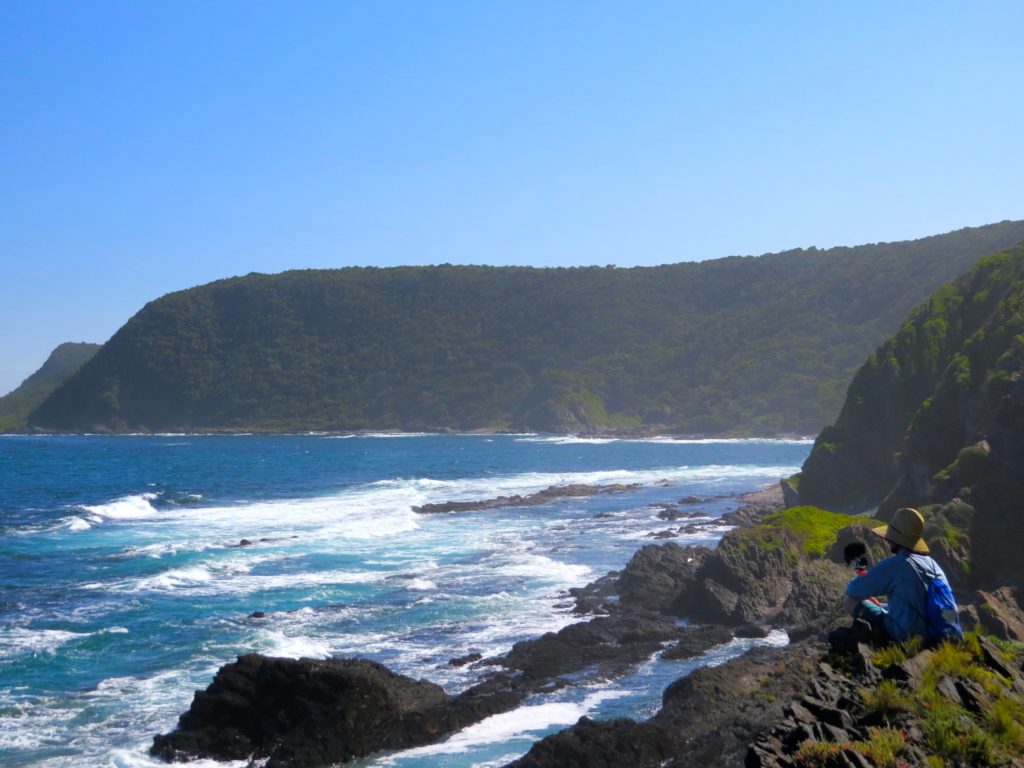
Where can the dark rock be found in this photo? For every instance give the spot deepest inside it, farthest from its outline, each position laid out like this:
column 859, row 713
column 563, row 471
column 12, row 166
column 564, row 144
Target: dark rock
column 552, row 493
column 863, row 665
column 714, row 713
column 827, row 714
column 663, row 535
column 851, row 758
column 947, row 688
column 910, row 670
column 656, row 575
column 994, row 660
column 814, row 598
column 595, row 596
column 739, row 583
column 790, row 494
column 609, row 644
column 751, row 631
column 755, row 506
column 696, row 640
column 257, row 615
column 245, row 543
column 305, row 713
column 590, row 744
column 875, row 546
column 830, row 733
column 1000, row 613
column 975, row 698
column 462, row 661
column 800, row 713
column 796, row 736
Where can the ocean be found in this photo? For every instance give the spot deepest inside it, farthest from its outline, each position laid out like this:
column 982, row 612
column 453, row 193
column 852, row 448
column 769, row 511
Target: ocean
column 131, row 567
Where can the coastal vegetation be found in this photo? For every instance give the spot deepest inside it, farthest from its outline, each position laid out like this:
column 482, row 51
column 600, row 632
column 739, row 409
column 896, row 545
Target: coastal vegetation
column 741, row 345
column 62, row 362
column 933, row 420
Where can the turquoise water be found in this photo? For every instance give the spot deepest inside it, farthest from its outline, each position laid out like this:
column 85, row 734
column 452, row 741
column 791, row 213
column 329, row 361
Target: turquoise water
column 124, row 583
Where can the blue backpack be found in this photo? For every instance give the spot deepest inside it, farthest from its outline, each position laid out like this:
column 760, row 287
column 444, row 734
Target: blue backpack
column 941, row 615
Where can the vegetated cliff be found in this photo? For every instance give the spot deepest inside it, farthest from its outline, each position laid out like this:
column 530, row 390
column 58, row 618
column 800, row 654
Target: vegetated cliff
column 935, row 420
column 749, row 345
column 62, row 362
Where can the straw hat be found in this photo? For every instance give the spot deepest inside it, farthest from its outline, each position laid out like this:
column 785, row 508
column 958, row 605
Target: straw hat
column 905, row 529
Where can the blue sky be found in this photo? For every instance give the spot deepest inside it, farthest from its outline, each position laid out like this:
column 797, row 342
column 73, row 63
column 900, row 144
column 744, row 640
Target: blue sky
column 151, row 146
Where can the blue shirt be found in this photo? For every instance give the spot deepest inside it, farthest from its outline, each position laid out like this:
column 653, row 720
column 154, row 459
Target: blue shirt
column 903, row 579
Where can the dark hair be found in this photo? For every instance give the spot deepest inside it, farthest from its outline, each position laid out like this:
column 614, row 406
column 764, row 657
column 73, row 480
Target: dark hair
column 894, row 547
column 855, row 550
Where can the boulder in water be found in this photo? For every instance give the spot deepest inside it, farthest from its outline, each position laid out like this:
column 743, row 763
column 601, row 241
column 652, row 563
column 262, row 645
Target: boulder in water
column 305, row 712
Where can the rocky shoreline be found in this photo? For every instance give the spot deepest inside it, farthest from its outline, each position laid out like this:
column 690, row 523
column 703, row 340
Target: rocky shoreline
column 255, row 709
column 280, row 712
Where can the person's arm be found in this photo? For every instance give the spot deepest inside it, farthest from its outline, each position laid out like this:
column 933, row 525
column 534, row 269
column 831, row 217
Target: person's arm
column 877, row 581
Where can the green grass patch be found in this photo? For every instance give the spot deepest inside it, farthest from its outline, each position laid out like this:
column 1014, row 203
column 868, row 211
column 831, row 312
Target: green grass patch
column 887, row 699
column 882, row 747
column 894, row 653
column 956, row 736
column 813, row 529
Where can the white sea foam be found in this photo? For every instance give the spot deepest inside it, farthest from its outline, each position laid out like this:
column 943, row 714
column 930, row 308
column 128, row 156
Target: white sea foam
column 541, row 568
column 176, row 578
column 526, row 721
column 429, row 490
column 16, row 641
column 124, row 508
column 422, row 585
column 234, row 577
column 275, row 643
column 141, row 706
column 662, row 439
column 123, row 758
column 379, row 435
column 568, row 440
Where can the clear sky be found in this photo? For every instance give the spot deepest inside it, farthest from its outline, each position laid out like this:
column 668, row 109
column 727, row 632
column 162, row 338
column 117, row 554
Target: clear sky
column 151, row 146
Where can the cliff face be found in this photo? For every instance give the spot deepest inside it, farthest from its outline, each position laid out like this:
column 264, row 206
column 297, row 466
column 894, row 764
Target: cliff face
column 935, row 420
column 759, row 345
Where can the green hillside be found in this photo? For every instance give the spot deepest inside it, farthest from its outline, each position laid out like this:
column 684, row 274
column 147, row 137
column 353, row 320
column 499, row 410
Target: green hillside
column 935, row 419
column 752, row 345
column 62, row 362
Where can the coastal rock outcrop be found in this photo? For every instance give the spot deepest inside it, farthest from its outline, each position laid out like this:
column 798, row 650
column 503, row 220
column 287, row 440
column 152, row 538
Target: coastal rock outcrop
column 305, row 713
column 707, row 718
column 945, row 706
column 551, row 493
column 590, row 744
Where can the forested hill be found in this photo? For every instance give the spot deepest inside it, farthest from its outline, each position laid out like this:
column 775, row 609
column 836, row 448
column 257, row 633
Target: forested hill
column 16, row 405
column 741, row 345
column 935, row 420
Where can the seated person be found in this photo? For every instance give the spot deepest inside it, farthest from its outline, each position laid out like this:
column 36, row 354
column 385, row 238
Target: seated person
column 902, row 578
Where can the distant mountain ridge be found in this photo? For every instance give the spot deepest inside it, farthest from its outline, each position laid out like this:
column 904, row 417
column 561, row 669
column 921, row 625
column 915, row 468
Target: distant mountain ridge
column 741, row 345
column 67, row 358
